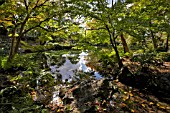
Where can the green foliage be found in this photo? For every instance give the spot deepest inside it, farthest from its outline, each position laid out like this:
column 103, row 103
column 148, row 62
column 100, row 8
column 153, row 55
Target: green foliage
column 14, row 100
column 4, row 64
column 128, row 54
column 164, row 56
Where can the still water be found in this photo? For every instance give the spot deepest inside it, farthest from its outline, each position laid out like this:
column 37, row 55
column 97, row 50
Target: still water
column 69, row 69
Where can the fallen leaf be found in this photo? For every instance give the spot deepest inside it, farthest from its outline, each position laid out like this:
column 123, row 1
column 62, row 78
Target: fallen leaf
column 151, row 103
column 132, row 110
column 131, row 94
column 143, row 105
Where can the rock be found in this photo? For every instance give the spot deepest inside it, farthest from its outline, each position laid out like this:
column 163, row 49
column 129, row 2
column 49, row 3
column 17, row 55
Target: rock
column 164, row 82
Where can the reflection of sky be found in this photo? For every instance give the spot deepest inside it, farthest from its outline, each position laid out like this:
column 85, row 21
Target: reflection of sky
column 110, row 2
column 68, row 69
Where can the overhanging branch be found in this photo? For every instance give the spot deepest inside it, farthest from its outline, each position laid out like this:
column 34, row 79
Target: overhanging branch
column 39, row 25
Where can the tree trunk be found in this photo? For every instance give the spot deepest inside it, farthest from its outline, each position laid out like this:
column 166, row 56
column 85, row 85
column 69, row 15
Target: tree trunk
column 167, row 41
column 154, row 40
column 11, row 52
column 153, row 37
column 17, row 45
column 125, row 47
column 114, row 45
column 117, row 55
column 14, row 48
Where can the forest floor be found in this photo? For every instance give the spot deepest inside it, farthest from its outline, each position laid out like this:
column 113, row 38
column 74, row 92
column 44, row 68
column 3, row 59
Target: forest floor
column 142, row 97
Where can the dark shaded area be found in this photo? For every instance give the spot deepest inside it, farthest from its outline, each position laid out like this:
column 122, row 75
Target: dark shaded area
column 56, row 47
column 3, row 30
column 148, row 82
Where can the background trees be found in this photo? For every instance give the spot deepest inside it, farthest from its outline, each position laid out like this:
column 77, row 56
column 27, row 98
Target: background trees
column 24, row 16
column 143, row 21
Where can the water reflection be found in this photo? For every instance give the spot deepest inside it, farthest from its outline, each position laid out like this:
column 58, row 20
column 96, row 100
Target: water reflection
column 68, row 69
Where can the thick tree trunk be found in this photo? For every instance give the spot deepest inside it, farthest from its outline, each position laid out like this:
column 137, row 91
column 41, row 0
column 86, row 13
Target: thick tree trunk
column 167, row 43
column 125, row 47
column 14, row 48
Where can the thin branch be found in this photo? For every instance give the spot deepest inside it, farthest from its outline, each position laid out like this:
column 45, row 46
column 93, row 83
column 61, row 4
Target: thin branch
column 45, row 29
column 39, row 25
column 26, row 5
column 111, row 40
column 62, row 28
column 36, row 6
column 26, row 31
column 97, row 29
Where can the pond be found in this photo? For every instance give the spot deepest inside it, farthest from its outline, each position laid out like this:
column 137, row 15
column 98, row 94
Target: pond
column 67, row 67
column 73, row 64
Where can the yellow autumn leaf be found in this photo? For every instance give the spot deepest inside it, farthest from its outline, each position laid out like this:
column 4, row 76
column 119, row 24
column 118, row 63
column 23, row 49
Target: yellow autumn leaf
column 125, row 92
column 104, row 109
column 162, row 107
column 125, row 98
column 158, row 104
column 123, row 105
column 58, row 110
column 143, row 105
column 132, row 110
column 131, row 94
column 151, row 103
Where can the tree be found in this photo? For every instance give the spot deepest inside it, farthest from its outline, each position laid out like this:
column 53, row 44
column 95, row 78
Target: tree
column 109, row 16
column 23, row 16
column 148, row 19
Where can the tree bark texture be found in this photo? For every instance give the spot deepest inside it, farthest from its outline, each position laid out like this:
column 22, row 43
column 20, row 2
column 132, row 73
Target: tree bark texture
column 125, row 46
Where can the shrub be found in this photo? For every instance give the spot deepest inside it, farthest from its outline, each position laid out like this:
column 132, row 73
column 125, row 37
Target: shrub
column 165, row 56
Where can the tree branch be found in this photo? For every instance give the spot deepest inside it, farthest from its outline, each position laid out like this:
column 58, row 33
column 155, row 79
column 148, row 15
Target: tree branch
column 36, row 5
column 96, row 29
column 39, row 25
column 26, row 5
